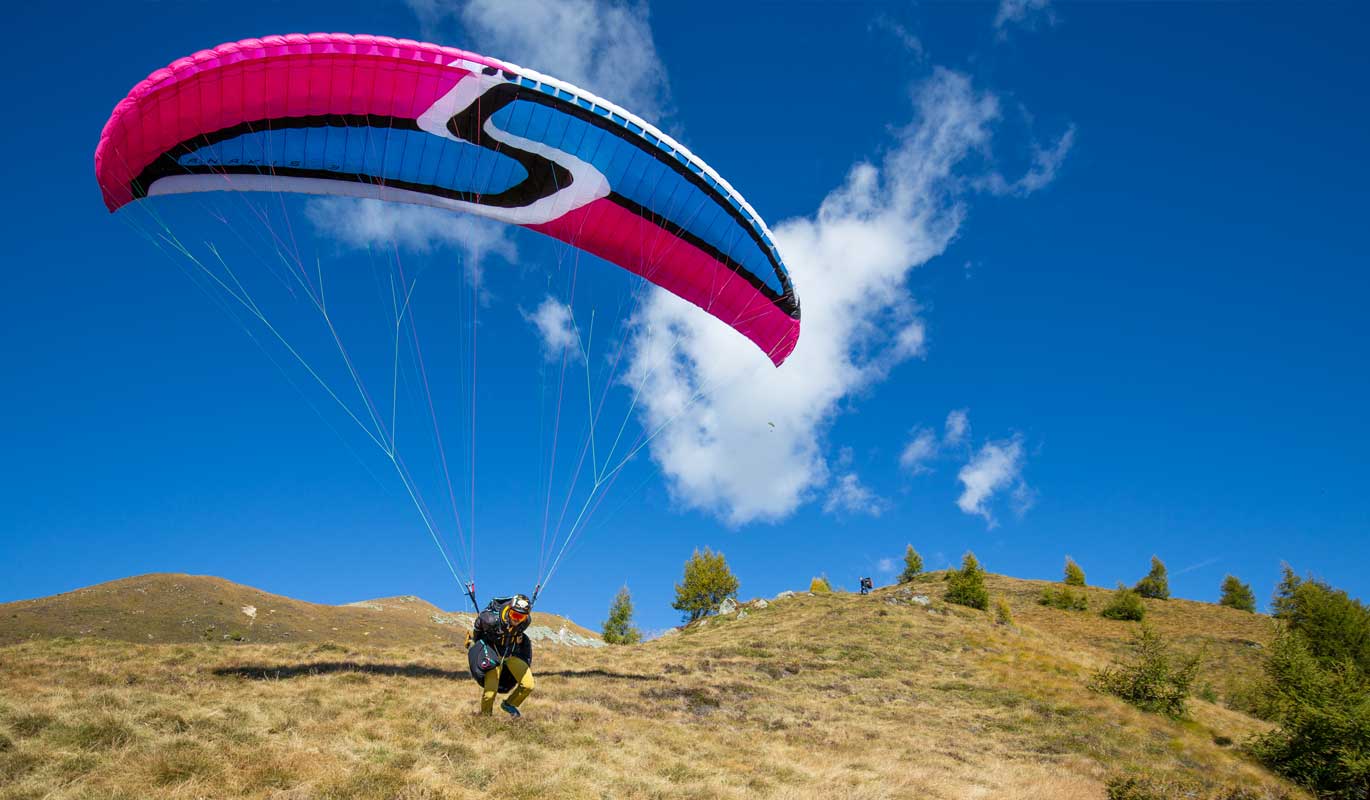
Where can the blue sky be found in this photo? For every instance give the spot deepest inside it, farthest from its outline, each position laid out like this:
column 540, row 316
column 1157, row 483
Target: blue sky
column 1124, row 244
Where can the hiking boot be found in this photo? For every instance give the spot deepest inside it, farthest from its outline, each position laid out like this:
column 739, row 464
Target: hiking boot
column 513, row 710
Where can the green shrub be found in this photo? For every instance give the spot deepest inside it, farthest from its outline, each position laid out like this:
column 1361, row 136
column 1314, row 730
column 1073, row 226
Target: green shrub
column 1003, row 615
column 1335, row 626
column 1237, row 595
column 618, row 628
column 1153, row 679
column 1133, row 787
column 1064, row 598
column 966, row 586
column 913, row 564
column 1126, row 604
column 1155, row 585
column 1074, row 575
column 820, row 585
column 1317, row 689
column 707, row 582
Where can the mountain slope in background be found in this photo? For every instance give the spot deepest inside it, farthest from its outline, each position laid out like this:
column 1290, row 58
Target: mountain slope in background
column 170, row 608
column 835, row 696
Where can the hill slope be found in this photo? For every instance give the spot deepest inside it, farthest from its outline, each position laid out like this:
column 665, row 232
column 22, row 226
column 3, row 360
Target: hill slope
column 170, row 608
column 833, row 696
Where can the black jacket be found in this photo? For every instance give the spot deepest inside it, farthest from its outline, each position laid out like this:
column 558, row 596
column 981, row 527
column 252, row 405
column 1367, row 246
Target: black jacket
column 504, row 638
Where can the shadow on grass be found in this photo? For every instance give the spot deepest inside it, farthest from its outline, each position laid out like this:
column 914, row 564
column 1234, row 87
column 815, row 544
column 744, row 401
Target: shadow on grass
column 273, row 672
column 284, row 671
column 597, row 673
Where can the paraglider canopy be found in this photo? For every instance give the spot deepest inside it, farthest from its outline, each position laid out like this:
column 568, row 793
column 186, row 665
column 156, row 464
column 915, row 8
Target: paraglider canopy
column 404, row 121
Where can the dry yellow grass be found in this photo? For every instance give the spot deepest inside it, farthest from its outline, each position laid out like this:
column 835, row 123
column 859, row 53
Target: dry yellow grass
column 833, row 696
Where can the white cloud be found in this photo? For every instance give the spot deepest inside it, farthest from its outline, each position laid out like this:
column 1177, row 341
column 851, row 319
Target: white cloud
column 996, row 467
column 886, row 565
column 850, row 262
column 1022, row 13
column 921, row 449
column 1046, row 161
column 902, row 34
column 924, row 446
column 604, row 46
column 362, row 223
column 850, row 496
column 556, row 328
column 957, row 426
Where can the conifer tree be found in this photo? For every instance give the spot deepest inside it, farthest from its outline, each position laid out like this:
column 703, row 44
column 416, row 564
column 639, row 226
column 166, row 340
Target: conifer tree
column 1074, row 575
column 913, row 564
column 1237, row 595
column 619, row 628
column 707, row 582
column 820, row 585
column 1155, row 585
column 1283, row 604
column 966, row 586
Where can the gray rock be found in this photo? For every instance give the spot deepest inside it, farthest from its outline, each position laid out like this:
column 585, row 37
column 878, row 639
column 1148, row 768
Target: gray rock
column 728, row 606
column 784, row 595
column 921, row 599
column 562, row 637
column 761, row 603
column 742, row 615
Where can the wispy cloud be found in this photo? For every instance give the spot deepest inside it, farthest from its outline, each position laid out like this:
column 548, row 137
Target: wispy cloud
column 1022, row 14
column 957, row 427
column 996, row 467
column 850, row 261
column 921, row 449
column 1046, row 161
column 901, row 34
column 1207, row 562
column 849, row 496
column 362, row 223
column 886, row 565
column 924, row 447
column 600, row 45
column 556, row 329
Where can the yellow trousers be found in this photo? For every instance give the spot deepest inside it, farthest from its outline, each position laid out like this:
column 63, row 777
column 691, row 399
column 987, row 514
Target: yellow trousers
column 521, row 672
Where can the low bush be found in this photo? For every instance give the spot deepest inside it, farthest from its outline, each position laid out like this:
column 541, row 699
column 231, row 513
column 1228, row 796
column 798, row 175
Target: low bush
column 1003, row 615
column 820, row 585
column 1126, row 604
column 1064, row 598
column 1154, row 679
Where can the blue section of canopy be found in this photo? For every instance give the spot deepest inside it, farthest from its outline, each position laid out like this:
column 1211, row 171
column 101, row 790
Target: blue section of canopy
column 632, row 166
column 387, row 154
column 640, row 176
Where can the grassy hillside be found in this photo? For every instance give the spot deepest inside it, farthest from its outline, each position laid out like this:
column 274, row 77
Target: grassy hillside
column 197, row 608
column 833, row 696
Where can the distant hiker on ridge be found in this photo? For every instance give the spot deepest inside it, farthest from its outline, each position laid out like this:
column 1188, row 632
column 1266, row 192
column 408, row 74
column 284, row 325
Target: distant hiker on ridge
column 866, row 585
column 500, row 654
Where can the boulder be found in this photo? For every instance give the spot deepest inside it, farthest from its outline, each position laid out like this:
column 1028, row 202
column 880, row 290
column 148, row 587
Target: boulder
column 761, row 603
column 728, row 606
column 784, row 595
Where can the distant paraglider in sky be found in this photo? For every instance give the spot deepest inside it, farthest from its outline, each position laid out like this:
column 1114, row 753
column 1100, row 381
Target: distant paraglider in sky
column 399, row 121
